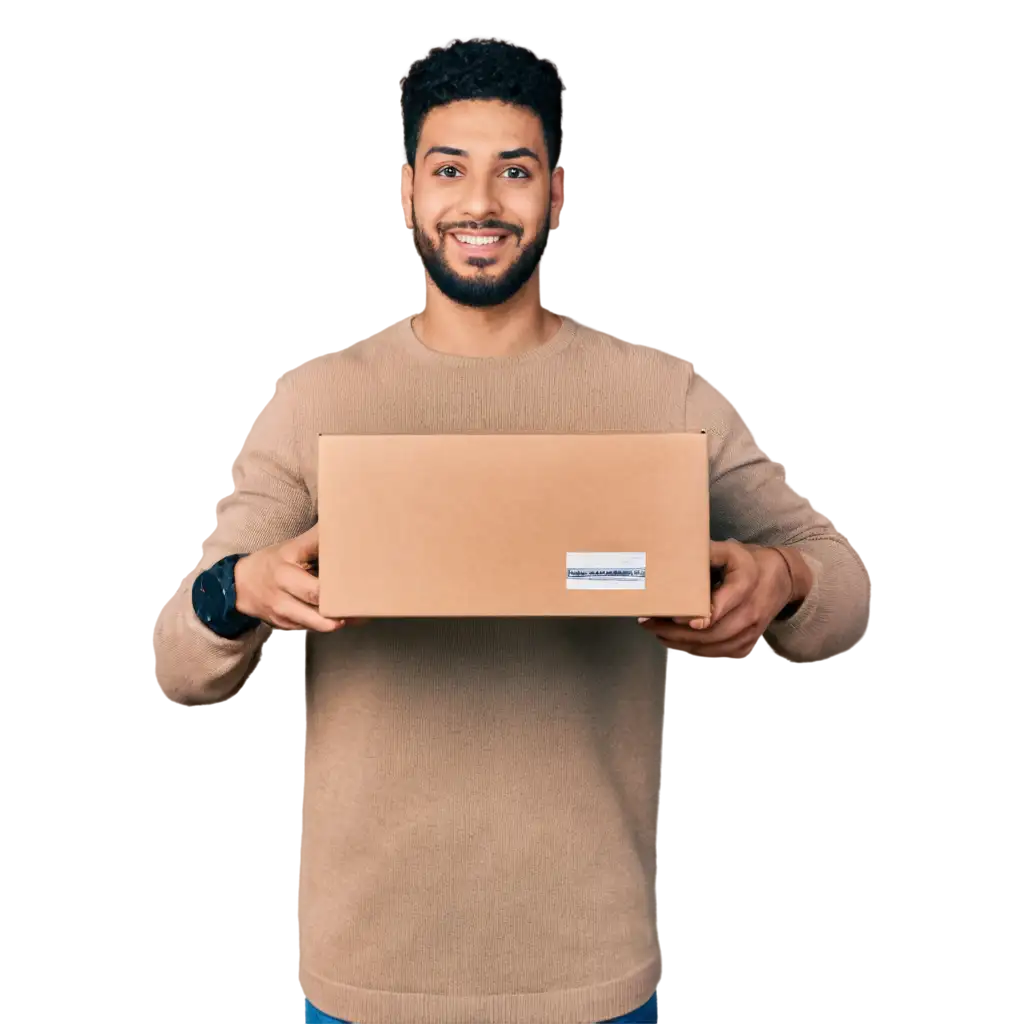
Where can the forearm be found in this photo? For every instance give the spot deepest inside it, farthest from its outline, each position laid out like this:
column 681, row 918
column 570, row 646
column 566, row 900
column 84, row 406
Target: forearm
column 271, row 502
column 824, row 610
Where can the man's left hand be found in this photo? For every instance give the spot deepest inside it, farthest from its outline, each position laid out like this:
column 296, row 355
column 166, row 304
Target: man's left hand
column 755, row 588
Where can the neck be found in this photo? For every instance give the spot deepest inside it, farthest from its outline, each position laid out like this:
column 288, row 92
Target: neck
column 504, row 330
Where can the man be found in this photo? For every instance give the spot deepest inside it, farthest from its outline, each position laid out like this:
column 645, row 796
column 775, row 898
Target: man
column 479, row 814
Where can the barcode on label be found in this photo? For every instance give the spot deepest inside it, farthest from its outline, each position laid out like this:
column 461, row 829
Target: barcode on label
column 606, row 570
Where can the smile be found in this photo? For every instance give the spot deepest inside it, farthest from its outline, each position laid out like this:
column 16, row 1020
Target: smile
column 479, row 243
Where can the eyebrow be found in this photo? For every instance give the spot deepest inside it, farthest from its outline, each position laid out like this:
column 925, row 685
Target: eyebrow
column 505, row 154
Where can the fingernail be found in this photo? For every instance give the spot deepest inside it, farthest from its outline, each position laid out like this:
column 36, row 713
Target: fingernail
column 643, row 618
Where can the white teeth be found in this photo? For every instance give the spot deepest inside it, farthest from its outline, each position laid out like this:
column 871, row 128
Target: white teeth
column 478, row 239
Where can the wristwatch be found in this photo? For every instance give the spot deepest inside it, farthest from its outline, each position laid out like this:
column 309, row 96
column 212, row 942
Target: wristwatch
column 213, row 600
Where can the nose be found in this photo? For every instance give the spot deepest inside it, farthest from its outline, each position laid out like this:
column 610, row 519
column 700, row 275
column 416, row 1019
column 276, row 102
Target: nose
column 478, row 201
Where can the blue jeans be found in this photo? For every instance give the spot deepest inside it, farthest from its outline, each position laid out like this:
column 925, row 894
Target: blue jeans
column 646, row 1014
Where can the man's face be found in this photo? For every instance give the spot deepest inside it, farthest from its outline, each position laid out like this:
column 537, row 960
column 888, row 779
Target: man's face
column 493, row 186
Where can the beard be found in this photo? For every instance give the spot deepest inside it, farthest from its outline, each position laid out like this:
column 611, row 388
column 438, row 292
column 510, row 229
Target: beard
column 482, row 289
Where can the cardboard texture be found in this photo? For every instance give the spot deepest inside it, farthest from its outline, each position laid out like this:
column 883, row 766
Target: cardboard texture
column 471, row 524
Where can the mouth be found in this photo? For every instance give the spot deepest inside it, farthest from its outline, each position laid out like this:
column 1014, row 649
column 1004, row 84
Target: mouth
column 483, row 241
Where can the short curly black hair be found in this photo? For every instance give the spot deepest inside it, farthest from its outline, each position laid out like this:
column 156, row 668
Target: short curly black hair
column 482, row 69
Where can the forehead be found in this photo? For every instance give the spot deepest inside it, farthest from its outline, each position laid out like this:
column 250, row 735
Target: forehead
column 480, row 126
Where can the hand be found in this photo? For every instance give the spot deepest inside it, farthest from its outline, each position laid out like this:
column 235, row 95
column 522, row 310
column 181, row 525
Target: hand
column 275, row 585
column 755, row 589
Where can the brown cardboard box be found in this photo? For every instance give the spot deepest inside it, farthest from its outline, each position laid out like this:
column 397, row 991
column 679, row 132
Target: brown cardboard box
column 609, row 523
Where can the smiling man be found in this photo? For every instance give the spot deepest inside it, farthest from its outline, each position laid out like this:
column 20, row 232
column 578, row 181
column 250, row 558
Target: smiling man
column 504, row 258
column 480, row 808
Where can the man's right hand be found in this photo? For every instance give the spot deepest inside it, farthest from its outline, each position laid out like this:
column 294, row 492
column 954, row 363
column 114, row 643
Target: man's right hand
column 275, row 585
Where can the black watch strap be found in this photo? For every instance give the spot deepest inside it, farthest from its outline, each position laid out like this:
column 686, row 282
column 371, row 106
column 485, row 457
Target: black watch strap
column 213, row 600
column 788, row 612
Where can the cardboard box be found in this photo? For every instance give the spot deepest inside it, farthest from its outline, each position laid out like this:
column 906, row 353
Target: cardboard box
column 471, row 524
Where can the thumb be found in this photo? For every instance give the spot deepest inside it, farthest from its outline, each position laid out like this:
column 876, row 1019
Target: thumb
column 721, row 552
column 740, row 568
column 305, row 545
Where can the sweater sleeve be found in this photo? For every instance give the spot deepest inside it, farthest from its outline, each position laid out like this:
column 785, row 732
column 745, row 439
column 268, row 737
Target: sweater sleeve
column 752, row 503
column 270, row 503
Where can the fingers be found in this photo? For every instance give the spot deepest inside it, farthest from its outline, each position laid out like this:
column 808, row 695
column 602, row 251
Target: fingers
column 299, row 582
column 738, row 584
column 723, row 628
column 289, row 612
column 745, row 645
column 738, row 646
column 741, row 609
column 304, row 588
column 297, row 601
column 734, row 641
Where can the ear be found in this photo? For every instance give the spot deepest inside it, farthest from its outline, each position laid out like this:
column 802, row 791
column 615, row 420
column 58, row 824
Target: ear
column 407, row 177
column 557, row 195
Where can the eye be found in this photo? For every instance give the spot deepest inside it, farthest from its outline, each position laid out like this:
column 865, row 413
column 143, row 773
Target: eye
column 525, row 174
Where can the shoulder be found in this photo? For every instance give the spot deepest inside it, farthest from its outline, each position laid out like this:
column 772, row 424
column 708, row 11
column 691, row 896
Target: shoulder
column 641, row 364
column 328, row 368
column 639, row 354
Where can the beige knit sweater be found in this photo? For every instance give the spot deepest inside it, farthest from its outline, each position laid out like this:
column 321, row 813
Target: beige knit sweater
column 481, row 794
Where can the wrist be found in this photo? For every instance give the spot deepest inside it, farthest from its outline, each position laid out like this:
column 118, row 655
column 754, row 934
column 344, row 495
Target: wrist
column 797, row 577
column 214, row 600
column 236, row 590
